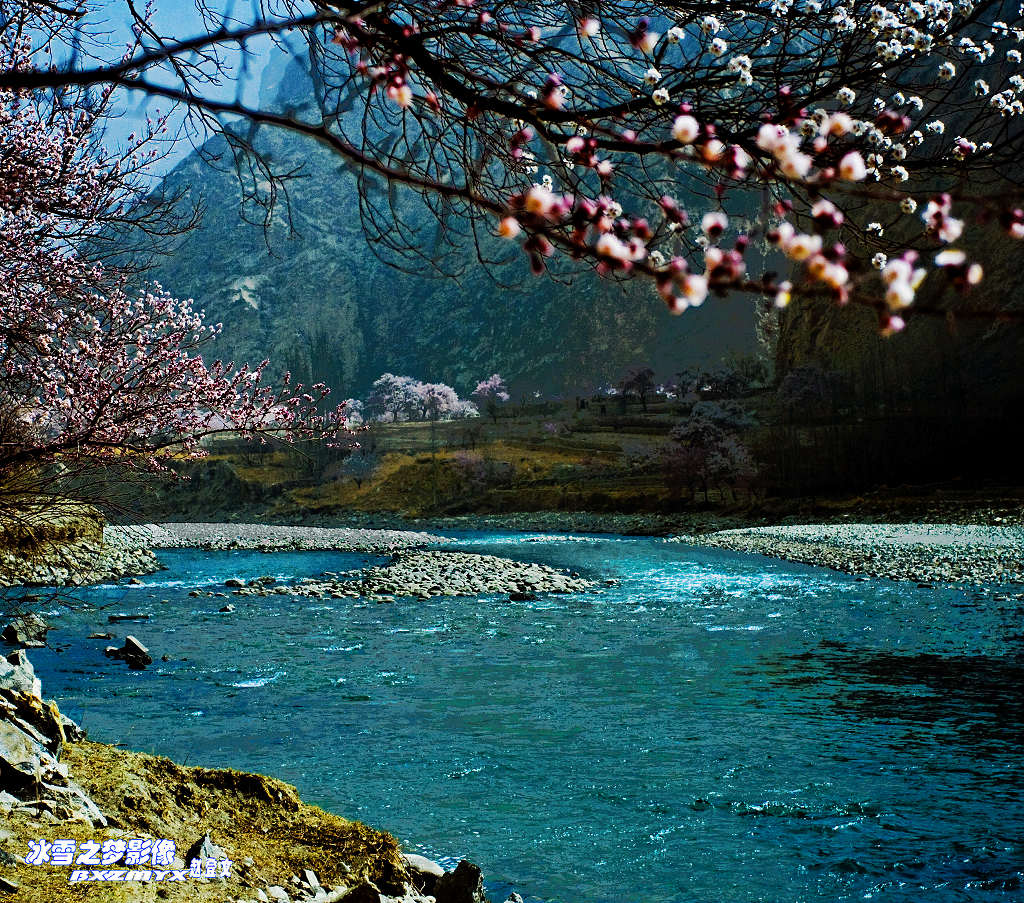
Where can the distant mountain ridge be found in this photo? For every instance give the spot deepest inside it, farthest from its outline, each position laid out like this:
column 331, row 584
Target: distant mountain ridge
column 318, row 302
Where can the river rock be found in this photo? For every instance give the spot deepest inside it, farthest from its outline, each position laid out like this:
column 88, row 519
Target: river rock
column 132, row 653
column 20, row 757
column 270, row 538
column 74, row 563
column 116, row 619
column 28, row 630
column 465, row 884
column 929, row 553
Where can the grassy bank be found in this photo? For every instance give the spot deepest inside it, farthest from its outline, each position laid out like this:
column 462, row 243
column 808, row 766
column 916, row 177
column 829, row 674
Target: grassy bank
column 415, row 471
column 612, row 463
column 30, row 525
column 260, row 823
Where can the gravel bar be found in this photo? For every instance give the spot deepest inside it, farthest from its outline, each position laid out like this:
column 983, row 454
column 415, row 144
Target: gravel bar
column 925, row 553
column 425, row 574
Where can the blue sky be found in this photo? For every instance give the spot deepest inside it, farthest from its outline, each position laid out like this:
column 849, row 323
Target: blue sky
column 178, row 18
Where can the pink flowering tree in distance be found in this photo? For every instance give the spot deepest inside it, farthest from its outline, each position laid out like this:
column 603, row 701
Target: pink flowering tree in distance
column 784, row 148
column 97, row 375
column 396, row 398
column 492, row 393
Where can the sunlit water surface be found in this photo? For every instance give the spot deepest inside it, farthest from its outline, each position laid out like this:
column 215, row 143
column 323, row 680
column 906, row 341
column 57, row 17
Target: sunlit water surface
column 717, row 728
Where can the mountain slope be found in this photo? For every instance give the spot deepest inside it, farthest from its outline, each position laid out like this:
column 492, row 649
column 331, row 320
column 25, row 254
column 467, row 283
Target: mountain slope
column 310, row 294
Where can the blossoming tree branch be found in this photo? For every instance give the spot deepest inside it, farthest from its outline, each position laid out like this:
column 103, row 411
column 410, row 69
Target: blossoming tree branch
column 848, row 146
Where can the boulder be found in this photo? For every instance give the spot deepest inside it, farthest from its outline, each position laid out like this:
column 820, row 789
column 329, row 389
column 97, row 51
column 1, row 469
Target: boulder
column 21, row 760
column 226, row 609
column 42, row 722
column 423, row 872
column 28, row 630
column 463, row 885
column 234, row 582
column 17, row 673
column 115, row 619
column 133, row 653
column 362, row 893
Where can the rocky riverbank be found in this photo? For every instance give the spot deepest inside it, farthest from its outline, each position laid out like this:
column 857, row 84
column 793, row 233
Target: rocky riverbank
column 76, row 563
column 267, row 845
column 431, row 573
column 925, row 553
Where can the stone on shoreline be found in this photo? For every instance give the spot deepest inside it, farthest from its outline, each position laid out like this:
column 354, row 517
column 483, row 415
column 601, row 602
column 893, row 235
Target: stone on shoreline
column 465, row 884
column 28, row 630
column 204, row 848
column 424, row 872
column 18, row 675
column 364, row 892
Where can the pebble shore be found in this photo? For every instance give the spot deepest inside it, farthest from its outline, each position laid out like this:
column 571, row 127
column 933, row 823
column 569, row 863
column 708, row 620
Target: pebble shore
column 925, row 553
column 270, row 538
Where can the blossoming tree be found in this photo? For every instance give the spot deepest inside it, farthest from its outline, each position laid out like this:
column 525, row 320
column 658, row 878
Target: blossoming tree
column 396, row 398
column 93, row 372
column 703, row 147
column 492, row 392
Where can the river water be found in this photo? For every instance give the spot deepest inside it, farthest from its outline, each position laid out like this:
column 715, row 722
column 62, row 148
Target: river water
column 719, row 727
